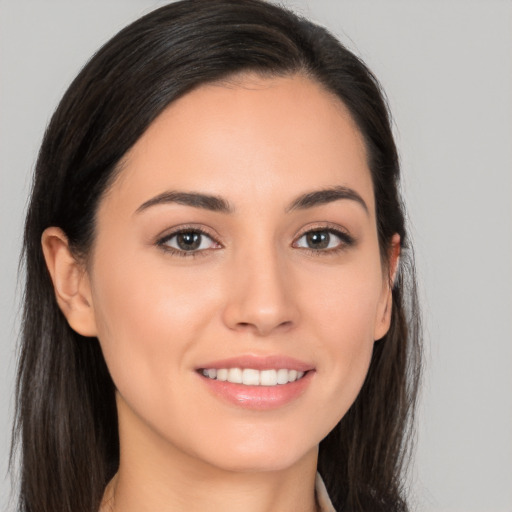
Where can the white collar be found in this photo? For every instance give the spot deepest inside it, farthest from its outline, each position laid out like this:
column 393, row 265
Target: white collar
column 322, row 496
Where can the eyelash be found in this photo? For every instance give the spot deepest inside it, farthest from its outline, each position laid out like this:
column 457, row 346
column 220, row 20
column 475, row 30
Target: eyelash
column 346, row 241
column 162, row 242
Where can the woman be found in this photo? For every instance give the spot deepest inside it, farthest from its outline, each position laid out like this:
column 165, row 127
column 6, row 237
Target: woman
column 220, row 296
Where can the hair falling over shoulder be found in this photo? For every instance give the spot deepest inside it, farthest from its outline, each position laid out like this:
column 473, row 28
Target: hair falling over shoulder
column 65, row 439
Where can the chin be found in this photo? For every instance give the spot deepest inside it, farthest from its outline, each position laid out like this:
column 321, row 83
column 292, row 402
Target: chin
column 262, row 461
column 261, row 451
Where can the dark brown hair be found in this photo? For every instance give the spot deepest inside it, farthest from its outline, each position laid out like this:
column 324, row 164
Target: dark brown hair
column 66, row 424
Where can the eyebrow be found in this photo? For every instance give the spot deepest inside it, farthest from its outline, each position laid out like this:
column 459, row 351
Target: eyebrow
column 194, row 199
column 219, row 204
column 324, row 196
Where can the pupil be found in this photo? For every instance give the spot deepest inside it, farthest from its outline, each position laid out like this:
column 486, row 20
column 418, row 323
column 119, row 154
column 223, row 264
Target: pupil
column 318, row 239
column 189, row 241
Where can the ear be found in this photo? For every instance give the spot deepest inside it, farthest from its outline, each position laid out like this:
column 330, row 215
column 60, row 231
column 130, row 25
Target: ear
column 383, row 320
column 70, row 282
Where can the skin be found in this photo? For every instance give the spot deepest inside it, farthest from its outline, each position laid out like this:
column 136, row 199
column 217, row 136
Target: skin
column 254, row 287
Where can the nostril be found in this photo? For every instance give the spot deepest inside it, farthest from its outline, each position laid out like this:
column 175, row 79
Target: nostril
column 260, row 313
column 263, row 328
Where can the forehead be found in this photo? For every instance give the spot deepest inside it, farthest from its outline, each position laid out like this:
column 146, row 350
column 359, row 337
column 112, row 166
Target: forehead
column 249, row 135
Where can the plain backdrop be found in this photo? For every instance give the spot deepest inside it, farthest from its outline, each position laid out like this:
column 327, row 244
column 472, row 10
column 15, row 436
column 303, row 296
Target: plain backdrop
column 447, row 69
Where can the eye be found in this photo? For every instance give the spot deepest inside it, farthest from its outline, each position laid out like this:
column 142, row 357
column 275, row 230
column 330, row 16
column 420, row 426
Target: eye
column 188, row 241
column 324, row 240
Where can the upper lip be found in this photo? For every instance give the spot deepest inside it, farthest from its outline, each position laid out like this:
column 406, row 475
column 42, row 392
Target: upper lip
column 273, row 362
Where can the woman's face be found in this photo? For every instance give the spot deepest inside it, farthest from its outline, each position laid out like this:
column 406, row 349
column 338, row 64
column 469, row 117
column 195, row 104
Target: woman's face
column 239, row 242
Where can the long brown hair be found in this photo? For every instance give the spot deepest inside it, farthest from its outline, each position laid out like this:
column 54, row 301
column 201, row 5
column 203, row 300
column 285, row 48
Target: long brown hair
column 66, row 424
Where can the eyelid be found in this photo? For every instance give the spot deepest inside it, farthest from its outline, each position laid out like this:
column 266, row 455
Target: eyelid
column 324, row 226
column 342, row 233
column 162, row 239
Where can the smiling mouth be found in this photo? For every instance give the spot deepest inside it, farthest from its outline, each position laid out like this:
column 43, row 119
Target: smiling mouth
column 252, row 377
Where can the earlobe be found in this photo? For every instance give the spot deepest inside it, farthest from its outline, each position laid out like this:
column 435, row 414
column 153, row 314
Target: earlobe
column 386, row 303
column 70, row 282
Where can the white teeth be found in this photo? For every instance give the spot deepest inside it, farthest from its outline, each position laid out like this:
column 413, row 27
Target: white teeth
column 282, row 376
column 235, row 375
column 251, row 377
column 222, row 374
column 268, row 377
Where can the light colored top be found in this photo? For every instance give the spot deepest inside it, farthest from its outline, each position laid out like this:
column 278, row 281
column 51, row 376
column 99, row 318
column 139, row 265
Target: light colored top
column 322, row 497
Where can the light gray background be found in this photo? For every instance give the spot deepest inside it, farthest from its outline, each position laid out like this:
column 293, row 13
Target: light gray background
column 447, row 69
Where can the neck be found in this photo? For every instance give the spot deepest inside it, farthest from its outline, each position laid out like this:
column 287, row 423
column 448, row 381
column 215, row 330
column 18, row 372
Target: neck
column 249, row 492
column 154, row 475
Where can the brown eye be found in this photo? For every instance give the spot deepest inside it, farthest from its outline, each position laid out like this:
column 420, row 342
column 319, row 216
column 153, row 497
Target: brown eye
column 324, row 240
column 318, row 239
column 188, row 241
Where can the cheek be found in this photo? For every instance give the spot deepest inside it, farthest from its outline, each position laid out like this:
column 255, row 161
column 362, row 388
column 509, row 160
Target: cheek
column 346, row 303
column 151, row 322
column 148, row 320
column 344, row 317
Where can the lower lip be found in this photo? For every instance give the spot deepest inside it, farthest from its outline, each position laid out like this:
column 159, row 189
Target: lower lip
column 259, row 397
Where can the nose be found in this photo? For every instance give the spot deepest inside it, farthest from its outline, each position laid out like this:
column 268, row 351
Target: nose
column 260, row 295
